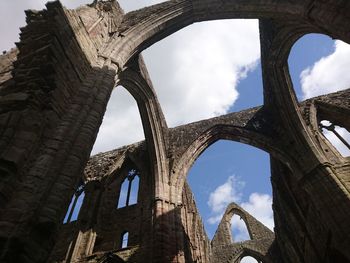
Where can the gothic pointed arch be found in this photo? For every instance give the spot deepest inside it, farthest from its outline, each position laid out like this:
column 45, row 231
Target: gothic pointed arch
column 211, row 135
column 176, row 15
column 135, row 78
column 260, row 234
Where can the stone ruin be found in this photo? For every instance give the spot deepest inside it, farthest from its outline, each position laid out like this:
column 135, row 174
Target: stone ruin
column 54, row 88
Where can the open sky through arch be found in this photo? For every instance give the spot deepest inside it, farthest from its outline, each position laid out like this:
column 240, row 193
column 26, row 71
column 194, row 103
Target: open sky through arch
column 317, row 64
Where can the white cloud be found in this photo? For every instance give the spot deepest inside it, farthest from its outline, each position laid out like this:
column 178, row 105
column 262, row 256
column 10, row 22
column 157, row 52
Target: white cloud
column 329, row 74
column 121, row 125
column 196, row 70
column 223, row 195
column 239, row 229
column 195, row 73
column 260, row 206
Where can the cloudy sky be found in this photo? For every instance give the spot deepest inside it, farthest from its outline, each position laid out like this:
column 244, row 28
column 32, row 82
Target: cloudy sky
column 206, row 70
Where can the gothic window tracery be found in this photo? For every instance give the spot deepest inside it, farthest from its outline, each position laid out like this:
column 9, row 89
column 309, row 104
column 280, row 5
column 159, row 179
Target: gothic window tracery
column 75, row 205
column 129, row 189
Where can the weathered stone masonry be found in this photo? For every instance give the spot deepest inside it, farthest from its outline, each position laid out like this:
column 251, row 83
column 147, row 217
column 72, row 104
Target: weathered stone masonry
column 54, row 88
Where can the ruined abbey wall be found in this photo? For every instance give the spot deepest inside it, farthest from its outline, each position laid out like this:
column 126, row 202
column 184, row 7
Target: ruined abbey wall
column 54, row 88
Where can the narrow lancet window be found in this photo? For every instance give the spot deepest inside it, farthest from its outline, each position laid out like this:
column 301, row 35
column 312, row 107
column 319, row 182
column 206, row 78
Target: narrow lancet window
column 134, row 190
column 129, row 189
column 75, row 205
column 125, row 239
column 123, row 193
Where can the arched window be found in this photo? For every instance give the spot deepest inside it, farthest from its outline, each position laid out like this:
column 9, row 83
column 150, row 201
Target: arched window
column 129, row 189
column 338, row 136
column 239, row 230
column 75, row 205
column 134, row 190
column 125, row 240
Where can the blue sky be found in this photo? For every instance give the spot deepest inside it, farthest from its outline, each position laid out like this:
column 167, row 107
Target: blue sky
column 199, row 75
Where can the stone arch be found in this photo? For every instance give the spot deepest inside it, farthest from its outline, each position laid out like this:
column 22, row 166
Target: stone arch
column 210, row 136
column 136, row 81
column 235, row 211
column 257, row 231
column 277, row 40
column 257, row 247
column 142, row 28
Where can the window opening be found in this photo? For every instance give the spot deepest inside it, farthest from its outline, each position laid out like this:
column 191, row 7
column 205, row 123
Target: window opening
column 75, row 205
column 134, row 190
column 249, row 259
column 125, row 239
column 339, row 137
column 129, row 189
column 123, row 194
column 239, row 229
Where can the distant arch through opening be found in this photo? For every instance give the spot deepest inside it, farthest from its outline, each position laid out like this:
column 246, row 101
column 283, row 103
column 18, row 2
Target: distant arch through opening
column 223, row 174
